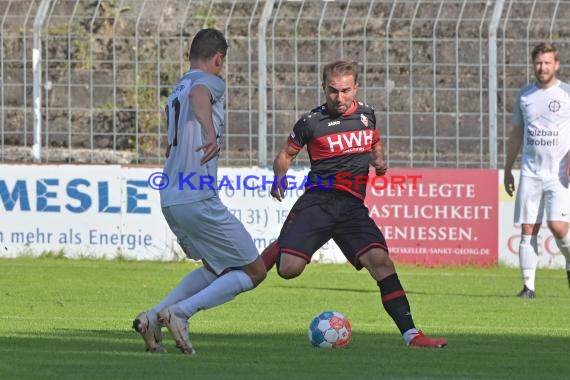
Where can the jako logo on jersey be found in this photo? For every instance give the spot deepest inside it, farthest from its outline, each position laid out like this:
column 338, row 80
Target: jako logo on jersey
column 350, row 140
column 331, row 123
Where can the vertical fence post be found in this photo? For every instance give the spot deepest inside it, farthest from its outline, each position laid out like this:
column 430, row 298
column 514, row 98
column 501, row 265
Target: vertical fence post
column 37, row 86
column 493, row 83
column 262, row 91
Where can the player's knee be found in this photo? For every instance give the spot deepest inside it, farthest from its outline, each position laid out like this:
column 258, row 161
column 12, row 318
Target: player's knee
column 287, row 275
column 256, row 271
column 289, row 270
column 559, row 229
column 378, row 263
column 385, row 260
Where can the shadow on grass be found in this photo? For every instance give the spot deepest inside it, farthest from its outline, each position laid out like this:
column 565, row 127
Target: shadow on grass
column 332, row 289
column 511, row 295
column 76, row 354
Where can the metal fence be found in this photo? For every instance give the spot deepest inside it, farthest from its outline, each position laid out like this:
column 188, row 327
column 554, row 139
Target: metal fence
column 92, row 76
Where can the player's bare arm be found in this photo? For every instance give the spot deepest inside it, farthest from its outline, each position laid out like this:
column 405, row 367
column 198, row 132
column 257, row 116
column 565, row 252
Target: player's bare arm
column 377, row 160
column 513, row 149
column 281, row 165
column 201, row 103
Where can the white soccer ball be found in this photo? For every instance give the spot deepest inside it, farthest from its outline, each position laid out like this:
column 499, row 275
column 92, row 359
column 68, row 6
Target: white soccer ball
column 330, row 329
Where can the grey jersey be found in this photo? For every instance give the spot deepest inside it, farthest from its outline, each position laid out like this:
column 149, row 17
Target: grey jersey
column 188, row 180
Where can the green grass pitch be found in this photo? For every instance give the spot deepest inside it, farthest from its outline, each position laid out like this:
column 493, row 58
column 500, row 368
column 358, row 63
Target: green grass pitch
column 70, row 319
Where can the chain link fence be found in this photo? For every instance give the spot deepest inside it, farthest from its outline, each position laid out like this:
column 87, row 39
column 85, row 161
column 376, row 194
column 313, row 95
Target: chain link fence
column 106, row 67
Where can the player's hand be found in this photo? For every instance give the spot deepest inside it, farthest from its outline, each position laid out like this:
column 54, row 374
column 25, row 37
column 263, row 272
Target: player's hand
column 380, row 166
column 278, row 188
column 210, row 148
column 509, row 182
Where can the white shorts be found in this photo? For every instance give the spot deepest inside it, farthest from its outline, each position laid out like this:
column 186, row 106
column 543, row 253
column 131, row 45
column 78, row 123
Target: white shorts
column 208, row 230
column 535, row 196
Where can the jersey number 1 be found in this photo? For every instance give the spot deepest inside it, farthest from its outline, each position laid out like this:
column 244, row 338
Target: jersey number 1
column 176, row 106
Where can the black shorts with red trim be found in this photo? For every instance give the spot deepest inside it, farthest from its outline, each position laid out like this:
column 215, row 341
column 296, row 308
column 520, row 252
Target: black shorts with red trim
column 321, row 215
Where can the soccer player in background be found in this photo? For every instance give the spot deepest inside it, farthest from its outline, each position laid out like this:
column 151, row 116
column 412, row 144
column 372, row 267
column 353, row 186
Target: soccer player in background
column 205, row 228
column 342, row 142
column 541, row 125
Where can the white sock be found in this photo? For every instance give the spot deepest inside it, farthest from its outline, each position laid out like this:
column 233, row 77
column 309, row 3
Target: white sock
column 528, row 259
column 191, row 284
column 409, row 335
column 222, row 290
column 564, row 247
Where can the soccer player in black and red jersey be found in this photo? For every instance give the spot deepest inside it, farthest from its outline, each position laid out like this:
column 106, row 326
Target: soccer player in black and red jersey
column 342, row 142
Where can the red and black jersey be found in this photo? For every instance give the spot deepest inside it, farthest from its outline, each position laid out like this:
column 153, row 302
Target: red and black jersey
column 339, row 147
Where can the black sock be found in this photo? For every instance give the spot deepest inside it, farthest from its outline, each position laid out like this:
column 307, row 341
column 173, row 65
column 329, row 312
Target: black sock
column 396, row 303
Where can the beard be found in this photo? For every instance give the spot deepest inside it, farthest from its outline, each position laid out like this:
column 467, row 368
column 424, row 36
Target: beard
column 544, row 79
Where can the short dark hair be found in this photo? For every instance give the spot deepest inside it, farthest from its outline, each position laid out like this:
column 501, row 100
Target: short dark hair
column 545, row 47
column 341, row 68
column 207, row 43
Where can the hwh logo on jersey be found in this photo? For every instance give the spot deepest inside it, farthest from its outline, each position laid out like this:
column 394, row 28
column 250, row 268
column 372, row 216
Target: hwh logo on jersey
column 350, row 140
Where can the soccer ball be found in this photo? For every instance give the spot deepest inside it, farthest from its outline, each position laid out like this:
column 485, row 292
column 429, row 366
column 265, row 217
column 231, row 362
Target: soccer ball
column 330, row 329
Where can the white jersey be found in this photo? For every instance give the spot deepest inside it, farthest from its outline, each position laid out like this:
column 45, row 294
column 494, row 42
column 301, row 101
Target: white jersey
column 545, row 117
column 188, row 180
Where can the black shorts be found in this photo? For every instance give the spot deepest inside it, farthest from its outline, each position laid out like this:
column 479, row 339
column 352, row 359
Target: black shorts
column 321, row 215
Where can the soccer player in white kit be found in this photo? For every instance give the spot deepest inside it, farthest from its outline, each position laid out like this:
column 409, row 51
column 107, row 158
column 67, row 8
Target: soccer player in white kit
column 541, row 125
column 204, row 227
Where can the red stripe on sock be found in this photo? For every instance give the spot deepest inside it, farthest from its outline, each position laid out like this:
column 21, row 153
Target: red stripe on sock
column 393, row 295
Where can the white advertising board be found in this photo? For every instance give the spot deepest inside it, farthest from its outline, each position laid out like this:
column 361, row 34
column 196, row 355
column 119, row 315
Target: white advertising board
column 93, row 211
column 110, row 210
